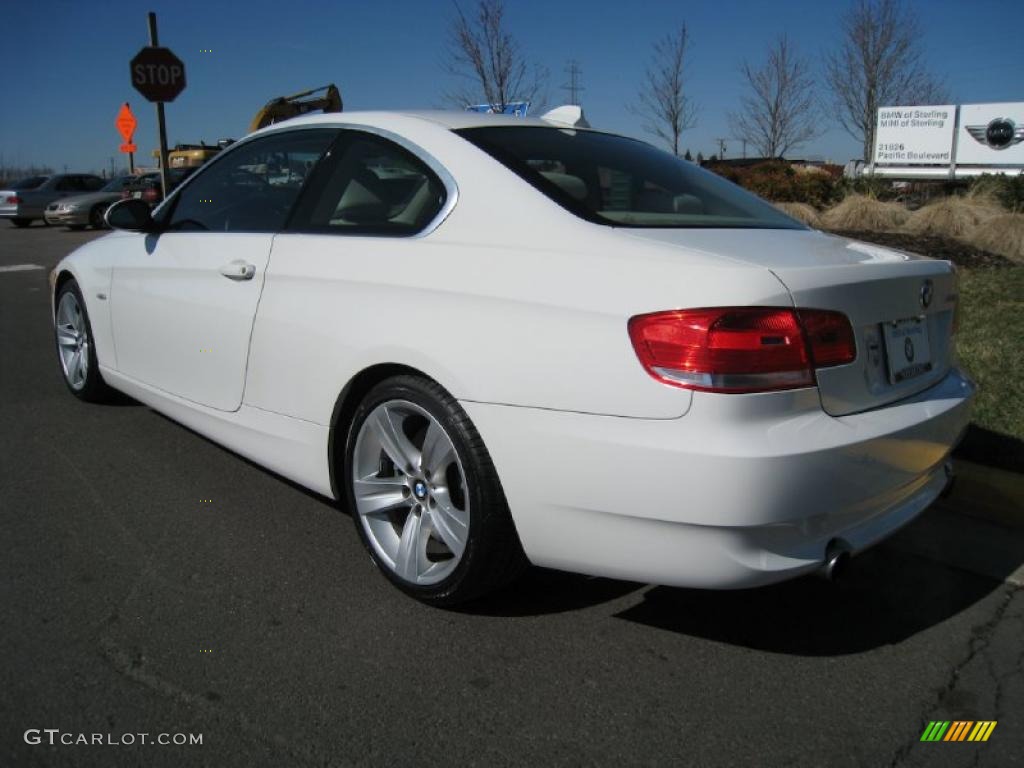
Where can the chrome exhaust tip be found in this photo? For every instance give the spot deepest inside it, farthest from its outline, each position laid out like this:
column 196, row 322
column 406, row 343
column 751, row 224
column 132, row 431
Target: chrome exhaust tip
column 837, row 557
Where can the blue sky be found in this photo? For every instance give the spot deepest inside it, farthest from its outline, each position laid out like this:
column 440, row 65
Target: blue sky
column 66, row 63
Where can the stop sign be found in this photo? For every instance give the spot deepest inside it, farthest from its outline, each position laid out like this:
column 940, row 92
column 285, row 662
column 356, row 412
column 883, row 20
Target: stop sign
column 158, row 74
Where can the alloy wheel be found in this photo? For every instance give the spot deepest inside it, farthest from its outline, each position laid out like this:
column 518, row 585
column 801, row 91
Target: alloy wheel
column 411, row 492
column 72, row 341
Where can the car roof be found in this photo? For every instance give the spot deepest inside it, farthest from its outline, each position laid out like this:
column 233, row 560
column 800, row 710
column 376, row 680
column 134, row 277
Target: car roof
column 451, row 119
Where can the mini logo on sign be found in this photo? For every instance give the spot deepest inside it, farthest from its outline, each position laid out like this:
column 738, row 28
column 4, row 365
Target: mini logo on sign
column 998, row 134
column 926, row 294
column 908, row 349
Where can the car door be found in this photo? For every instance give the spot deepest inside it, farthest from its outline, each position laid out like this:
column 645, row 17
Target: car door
column 350, row 269
column 184, row 298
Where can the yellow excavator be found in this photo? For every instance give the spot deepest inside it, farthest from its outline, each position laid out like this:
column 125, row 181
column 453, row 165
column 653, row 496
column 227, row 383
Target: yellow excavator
column 275, row 110
column 285, row 107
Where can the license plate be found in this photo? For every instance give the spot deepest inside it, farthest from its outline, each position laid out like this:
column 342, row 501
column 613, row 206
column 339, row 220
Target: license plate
column 907, row 349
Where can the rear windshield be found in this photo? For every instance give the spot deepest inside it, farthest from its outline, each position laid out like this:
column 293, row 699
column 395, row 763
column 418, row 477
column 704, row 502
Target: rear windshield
column 622, row 182
column 30, row 183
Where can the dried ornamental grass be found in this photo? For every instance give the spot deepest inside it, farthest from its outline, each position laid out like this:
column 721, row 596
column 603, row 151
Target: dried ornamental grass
column 865, row 214
column 952, row 216
column 1002, row 234
column 808, row 214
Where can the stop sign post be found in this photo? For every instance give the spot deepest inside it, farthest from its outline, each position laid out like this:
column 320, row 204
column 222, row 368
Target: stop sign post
column 159, row 76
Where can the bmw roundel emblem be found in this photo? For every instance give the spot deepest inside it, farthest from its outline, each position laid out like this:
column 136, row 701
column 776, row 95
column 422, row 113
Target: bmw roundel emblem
column 420, row 489
column 926, row 294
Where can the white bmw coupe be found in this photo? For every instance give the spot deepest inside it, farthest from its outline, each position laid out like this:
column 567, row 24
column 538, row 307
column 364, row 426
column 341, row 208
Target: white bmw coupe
column 504, row 340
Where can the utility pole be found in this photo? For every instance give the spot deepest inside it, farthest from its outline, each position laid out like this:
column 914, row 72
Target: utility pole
column 153, row 42
column 572, row 68
column 721, row 149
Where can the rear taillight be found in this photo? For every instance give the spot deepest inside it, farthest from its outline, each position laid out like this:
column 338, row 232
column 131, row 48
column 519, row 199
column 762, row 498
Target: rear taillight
column 741, row 349
column 150, row 194
column 13, row 200
column 829, row 336
column 125, row 194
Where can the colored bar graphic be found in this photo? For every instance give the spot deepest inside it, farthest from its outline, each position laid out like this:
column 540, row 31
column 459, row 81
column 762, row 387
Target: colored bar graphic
column 958, row 730
column 935, row 730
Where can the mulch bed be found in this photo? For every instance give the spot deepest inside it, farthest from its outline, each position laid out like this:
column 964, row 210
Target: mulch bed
column 961, row 254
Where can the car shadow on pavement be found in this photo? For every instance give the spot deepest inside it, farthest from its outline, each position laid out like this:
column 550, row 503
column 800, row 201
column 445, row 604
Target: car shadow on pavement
column 119, row 400
column 541, row 591
column 885, row 597
column 994, row 449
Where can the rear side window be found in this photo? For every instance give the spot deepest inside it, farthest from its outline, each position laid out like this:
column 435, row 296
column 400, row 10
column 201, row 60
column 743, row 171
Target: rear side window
column 92, row 183
column 32, row 182
column 622, row 182
column 371, row 186
column 251, row 188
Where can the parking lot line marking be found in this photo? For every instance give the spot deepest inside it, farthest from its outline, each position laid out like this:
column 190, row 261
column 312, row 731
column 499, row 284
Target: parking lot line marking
column 21, row 267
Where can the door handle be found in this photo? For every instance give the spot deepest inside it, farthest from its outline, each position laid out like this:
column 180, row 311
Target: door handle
column 238, row 270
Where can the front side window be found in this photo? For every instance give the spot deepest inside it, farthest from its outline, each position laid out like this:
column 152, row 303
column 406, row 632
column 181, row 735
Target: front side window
column 373, row 186
column 622, row 182
column 251, row 188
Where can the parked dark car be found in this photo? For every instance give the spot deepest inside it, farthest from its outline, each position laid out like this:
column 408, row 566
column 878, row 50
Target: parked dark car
column 147, row 186
column 87, row 209
column 26, row 200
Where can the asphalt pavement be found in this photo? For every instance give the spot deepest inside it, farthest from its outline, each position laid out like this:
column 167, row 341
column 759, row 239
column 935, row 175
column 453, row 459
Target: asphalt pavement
column 154, row 583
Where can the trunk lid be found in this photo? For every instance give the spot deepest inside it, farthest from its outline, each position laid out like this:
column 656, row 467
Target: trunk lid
column 901, row 305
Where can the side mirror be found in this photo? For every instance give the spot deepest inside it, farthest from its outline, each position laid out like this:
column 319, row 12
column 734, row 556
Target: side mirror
column 132, row 215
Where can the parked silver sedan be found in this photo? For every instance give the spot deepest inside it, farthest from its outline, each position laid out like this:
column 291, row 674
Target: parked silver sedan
column 26, row 200
column 80, row 211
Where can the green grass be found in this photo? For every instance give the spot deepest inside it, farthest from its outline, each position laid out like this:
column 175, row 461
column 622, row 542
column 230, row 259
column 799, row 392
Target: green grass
column 991, row 345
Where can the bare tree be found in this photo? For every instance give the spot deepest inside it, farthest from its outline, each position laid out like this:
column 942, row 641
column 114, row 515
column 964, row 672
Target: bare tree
column 489, row 61
column 664, row 105
column 879, row 63
column 777, row 112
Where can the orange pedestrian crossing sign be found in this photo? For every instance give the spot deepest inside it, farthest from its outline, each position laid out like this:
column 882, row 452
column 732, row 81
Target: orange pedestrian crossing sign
column 125, row 123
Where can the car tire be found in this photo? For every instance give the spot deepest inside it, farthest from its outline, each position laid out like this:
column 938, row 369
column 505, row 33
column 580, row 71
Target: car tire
column 75, row 347
column 21, row 222
column 439, row 527
column 96, row 220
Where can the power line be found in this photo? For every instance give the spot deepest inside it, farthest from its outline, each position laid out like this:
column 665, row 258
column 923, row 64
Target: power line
column 572, row 68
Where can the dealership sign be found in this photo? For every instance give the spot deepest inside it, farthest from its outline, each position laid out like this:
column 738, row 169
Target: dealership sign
column 950, row 140
column 516, row 108
column 991, row 134
column 915, row 135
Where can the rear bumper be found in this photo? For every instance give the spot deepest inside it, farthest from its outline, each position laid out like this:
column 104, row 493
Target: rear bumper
column 744, row 490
